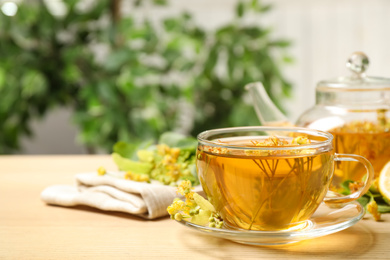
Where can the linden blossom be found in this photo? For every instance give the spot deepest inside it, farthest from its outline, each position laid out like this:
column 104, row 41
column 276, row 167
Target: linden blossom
column 215, row 150
column 195, row 208
column 169, row 161
column 271, row 141
column 364, row 127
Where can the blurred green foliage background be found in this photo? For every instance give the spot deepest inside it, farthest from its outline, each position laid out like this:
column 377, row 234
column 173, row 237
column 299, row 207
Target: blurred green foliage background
column 173, row 75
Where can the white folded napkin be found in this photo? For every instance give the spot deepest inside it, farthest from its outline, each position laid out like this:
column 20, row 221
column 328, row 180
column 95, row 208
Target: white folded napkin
column 147, row 200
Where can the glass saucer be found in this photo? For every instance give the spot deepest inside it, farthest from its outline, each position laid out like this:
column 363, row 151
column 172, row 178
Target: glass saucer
column 325, row 221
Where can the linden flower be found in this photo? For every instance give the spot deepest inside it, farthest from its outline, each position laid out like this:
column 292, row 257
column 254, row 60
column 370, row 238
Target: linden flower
column 301, row 140
column 277, row 141
column 169, row 168
column 365, row 126
column 175, row 152
column 136, row 177
column 101, row 171
column 196, row 209
column 372, row 207
column 259, row 152
column 168, row 159
column 163, row 149
column 273, row 141
column 215, row 150
column 355, row 186
column 185, row 188
column 176, row 206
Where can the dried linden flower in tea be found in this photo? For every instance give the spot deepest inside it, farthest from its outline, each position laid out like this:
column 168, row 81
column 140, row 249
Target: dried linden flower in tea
column 271, row 141
column 275, row 141
column 364, row 127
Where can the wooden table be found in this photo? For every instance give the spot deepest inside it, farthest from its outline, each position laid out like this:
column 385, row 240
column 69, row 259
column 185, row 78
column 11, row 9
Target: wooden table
column 30, row 229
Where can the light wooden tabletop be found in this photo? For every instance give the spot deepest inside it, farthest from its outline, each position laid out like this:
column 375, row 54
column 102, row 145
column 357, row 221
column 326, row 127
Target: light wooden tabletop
column 30, row 229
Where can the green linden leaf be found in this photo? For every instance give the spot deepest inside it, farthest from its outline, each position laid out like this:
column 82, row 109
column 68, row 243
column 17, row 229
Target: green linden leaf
column 173, row 139
column 124, row 149
column 203, row 203
column 188, row 143
column 125, row 164
column 345, row 186
column 130, row 150
column 146, row 155
column 364, row 200
column 202, row 218
column 383, row 208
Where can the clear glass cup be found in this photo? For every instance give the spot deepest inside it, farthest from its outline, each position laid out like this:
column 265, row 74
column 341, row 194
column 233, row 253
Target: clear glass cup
column 258, row 183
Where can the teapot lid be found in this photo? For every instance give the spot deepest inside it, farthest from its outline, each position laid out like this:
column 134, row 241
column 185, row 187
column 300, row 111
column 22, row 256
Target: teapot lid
column 357, row 63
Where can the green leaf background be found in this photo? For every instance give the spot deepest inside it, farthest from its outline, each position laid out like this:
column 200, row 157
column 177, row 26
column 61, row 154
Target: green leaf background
column 152, row 77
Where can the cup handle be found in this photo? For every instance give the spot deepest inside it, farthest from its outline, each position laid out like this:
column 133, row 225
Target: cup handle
column 334, row 198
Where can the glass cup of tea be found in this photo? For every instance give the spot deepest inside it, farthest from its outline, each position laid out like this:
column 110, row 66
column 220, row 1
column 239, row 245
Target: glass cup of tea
column 271, row 178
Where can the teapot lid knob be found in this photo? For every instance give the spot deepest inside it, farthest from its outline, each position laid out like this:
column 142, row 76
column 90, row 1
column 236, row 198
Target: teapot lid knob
column 358, row 63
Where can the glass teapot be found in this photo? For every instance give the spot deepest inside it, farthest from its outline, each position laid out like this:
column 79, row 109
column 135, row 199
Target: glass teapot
column 355, row 109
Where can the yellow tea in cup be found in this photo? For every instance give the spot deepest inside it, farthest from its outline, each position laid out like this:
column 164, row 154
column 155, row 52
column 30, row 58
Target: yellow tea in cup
column 263, row 178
